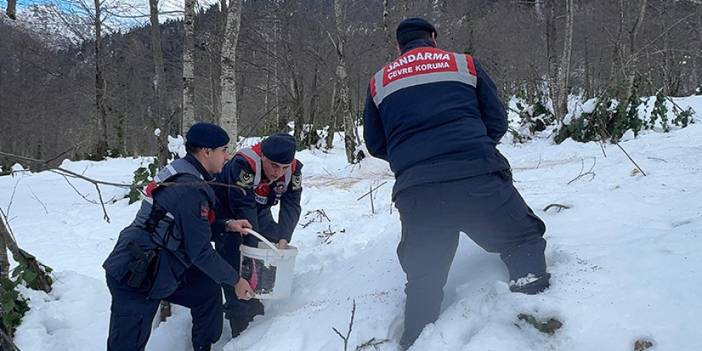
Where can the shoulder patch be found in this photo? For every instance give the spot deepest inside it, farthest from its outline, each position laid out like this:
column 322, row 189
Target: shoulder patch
column 246, row 179
column 204, row 210
column 296, row 181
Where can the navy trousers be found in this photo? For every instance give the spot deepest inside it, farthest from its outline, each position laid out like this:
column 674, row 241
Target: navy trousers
column 241, row 312
column 132, row 312
column 490, row 210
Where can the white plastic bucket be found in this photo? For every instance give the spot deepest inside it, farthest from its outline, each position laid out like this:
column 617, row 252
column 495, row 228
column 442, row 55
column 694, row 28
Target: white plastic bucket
column 268, row 269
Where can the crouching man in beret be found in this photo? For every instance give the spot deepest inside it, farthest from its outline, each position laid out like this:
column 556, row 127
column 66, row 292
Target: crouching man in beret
column 265, row 175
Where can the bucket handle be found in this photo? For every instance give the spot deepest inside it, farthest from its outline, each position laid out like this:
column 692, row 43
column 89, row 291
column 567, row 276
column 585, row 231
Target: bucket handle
column 264, row 240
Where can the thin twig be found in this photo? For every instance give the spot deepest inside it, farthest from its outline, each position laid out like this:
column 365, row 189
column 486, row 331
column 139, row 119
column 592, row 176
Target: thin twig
column 102, row 203
column 372, row 190
column 589, row 172
column 12, row 197
column 348, row 333
column 37, row 198
column 657, row 159
column 85, row 197
column 630, row 159
column 371, row 343
column 558, row 206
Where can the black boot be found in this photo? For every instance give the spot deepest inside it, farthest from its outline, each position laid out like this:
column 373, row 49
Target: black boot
column 532, row 287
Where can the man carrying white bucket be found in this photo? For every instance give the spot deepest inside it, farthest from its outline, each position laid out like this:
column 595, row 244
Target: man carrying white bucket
column 265, row 175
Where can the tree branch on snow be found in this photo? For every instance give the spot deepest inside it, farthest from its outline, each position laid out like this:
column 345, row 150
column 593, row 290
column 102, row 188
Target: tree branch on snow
column 42, row 165
column 603, row 133
column 348, row 332
column 39, row 201
column 589, row 172
column 42, row 281
column 6, row 342
column 558, row 207
column 373, row 342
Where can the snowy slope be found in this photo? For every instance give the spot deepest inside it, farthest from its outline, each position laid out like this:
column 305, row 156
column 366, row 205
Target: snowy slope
column 624, row 257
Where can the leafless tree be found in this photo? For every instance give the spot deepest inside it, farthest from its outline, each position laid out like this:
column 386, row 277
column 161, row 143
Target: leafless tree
column 188, row 66
column 343, row 82
column 158, row 107
column 558, row 86
column 228, row 119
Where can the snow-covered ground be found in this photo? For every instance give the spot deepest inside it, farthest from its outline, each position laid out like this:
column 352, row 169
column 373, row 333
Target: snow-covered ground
column 625, row 256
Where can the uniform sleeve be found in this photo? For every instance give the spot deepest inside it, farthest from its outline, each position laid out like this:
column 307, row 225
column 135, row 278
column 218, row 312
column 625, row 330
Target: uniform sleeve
column 240, row 196
column 373, row 130
column 192, row 216
column 290, row 208
column 492, row 111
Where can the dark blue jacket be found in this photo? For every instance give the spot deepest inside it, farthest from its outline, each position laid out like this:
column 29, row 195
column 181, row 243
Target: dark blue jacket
column 190, row 204
column 439, row 118
column 245, row 200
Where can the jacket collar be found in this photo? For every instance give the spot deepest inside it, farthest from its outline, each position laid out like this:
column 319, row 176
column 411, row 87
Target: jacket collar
column 417, row 43
column 206, row 175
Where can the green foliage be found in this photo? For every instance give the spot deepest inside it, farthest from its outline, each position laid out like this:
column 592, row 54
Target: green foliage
column 142, row 177
column 660, row 112
column 12, row 306
column 608, row 122
column 684, row 118
column 534, row 115
column 586, row 127
column 29, row 272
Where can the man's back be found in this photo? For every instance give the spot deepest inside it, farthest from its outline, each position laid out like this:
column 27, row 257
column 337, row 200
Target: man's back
column 435, row 116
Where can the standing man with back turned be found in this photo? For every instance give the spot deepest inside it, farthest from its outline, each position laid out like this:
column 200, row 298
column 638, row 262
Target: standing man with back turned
column 436, row 117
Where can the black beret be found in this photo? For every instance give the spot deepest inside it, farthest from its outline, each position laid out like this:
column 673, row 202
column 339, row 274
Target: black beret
column 207, row 135
column 279, row 148
column 413, row 28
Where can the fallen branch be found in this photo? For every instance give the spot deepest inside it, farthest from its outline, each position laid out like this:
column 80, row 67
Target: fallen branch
column 42, row 280
column 39, row 201
column 6, row 342
column 44, row 166
column 630, row 159
column 589, row 172
column 559, row 207
column 371, row 343
column 348, row 333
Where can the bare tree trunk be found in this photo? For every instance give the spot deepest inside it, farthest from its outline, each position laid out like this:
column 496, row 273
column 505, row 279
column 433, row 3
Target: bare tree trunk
column 560, row 96
column 589, row 92
column 389, row 53
column 100, row 86
column 343, row 79
column 228, row 80
column 626, row 53
column 298, row 90
column 276, row 78
column 329, row 142
column 631, row 58
column 188, row 66
column 312, row 137
column 159, row 111
column 12, row 9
